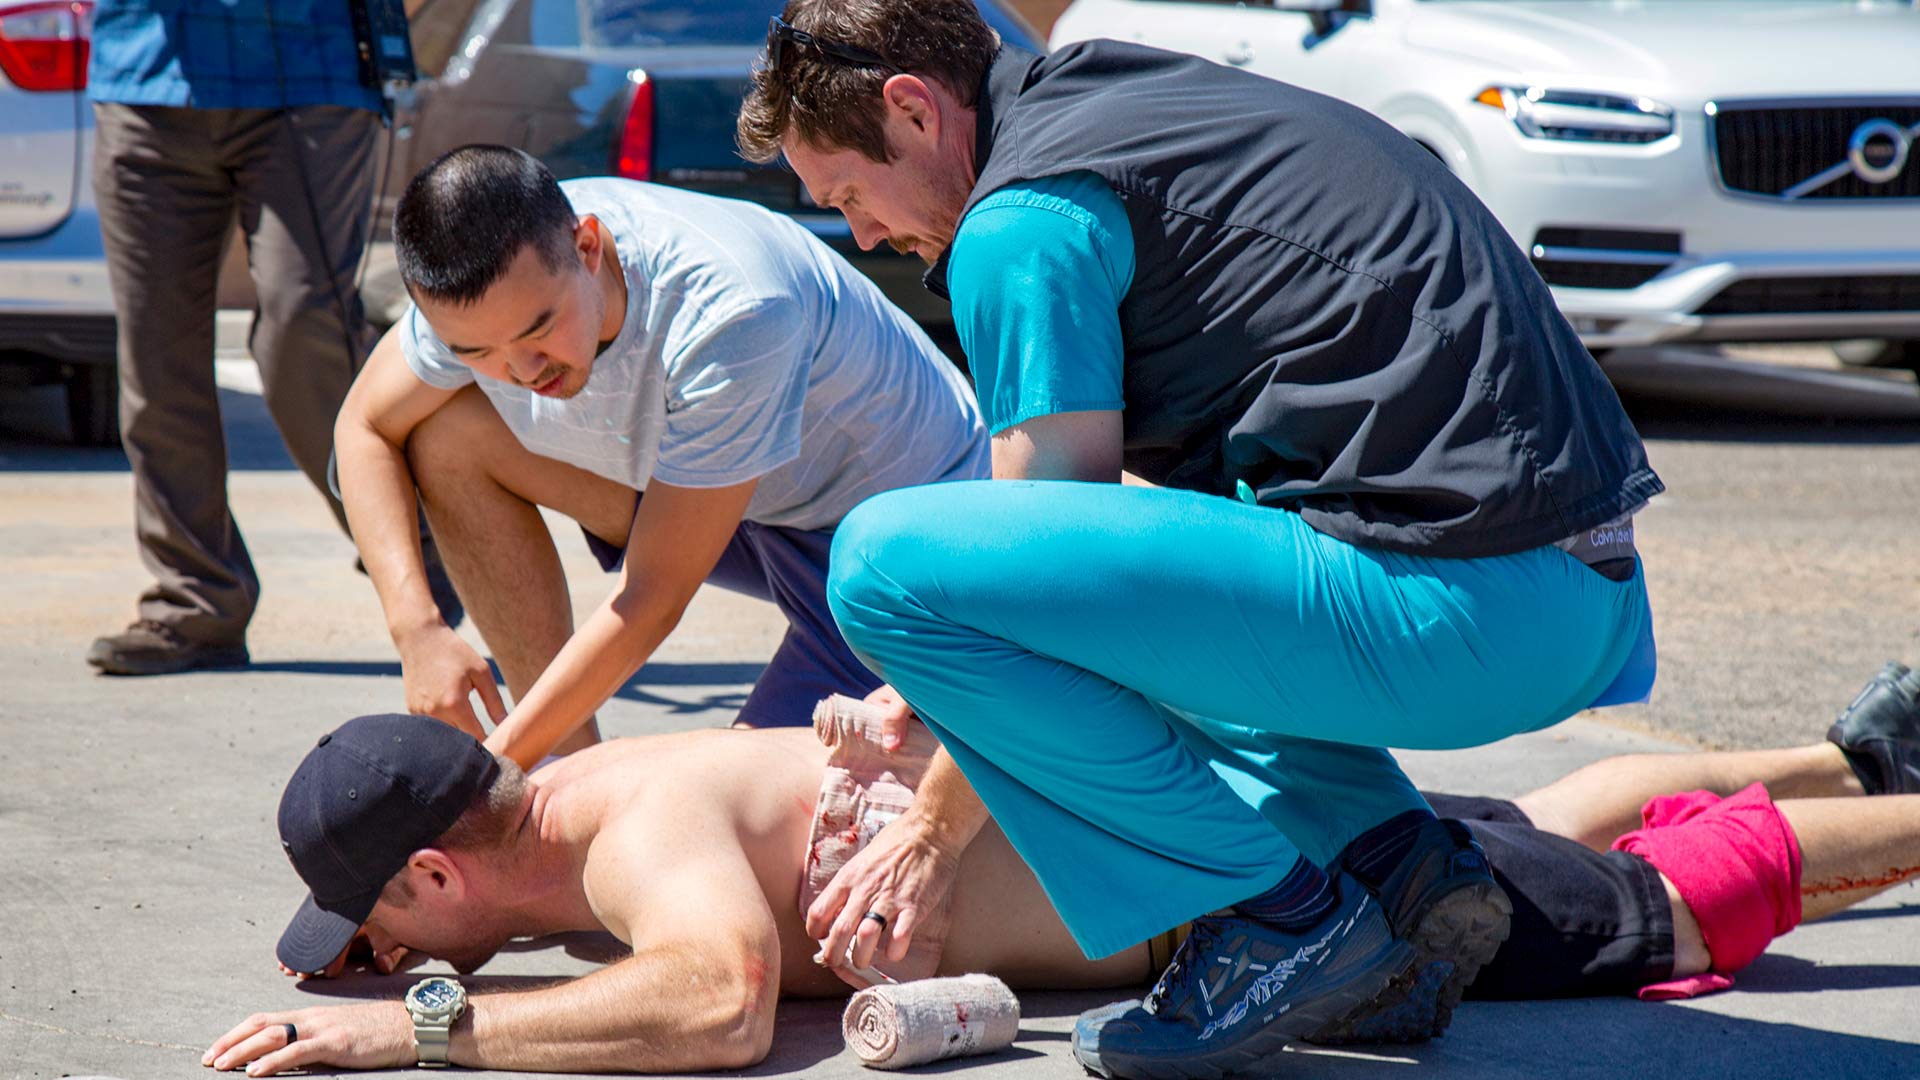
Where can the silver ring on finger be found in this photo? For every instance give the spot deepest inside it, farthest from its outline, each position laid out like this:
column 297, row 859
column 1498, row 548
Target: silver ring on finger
column 293, row 1033
column 876, row 917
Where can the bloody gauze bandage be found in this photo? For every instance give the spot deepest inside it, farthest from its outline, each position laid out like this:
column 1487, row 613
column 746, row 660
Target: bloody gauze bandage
column 1735, row 861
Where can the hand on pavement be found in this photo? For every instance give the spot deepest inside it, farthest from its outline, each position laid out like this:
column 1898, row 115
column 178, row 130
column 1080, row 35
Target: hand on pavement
column 894, row 724
column 438, row 670
column 903, row 875
column 377, row 1035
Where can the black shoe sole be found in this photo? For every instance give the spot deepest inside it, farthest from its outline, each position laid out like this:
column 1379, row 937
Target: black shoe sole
column 198, row 659
column 1376, row 986
column 1460, row 933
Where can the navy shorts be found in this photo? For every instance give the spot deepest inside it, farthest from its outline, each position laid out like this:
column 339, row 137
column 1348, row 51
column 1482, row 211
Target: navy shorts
column 1585, row 923
column 788, row 567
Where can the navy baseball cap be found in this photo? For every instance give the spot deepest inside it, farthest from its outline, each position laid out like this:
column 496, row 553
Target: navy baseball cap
column 368, row 796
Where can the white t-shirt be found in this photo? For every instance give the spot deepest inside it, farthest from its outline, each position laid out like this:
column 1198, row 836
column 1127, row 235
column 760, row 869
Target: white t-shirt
column 750, row 349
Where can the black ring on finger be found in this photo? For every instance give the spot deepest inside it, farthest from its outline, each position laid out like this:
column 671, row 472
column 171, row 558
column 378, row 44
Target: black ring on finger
column 876, row 917
column 293, row 1033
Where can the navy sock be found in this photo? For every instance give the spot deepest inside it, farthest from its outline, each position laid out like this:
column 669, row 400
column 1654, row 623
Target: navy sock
column 1301, row 899
column 1374, row 853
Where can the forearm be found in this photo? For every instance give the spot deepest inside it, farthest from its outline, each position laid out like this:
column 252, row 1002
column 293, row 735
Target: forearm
column 378, row 491
column 600, row 657
column 946, row 807
column 666, row 1010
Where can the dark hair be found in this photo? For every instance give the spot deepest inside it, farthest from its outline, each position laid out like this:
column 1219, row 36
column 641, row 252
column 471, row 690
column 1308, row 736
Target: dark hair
column 831, row 103
column 487, row 824
column 464, row 219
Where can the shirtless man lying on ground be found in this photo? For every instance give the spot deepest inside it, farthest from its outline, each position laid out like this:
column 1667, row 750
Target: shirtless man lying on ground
column 697, row 849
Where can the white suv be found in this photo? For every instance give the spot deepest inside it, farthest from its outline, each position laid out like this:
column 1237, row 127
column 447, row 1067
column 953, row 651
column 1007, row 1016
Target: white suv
column 56, row 313
column 1697, row 170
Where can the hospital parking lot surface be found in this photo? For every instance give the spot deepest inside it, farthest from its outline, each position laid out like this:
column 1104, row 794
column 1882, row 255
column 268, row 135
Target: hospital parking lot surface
column 142, row 888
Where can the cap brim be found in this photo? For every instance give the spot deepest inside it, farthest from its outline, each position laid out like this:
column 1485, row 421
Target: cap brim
column 318, row 935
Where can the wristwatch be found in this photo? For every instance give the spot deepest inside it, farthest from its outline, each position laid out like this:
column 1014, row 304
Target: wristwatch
column 434, row 1005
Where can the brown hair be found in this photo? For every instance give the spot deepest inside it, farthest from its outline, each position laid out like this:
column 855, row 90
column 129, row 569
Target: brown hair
column 831, row 103
column 488, row 823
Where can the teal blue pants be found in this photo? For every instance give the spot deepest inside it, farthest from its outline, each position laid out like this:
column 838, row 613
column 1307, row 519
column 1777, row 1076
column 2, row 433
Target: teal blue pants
column 1165, row 698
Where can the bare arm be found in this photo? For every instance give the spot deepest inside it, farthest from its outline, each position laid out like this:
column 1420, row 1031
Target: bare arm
column 385, row 405
column 678, row 535
column 911, row 864
column 698, row 994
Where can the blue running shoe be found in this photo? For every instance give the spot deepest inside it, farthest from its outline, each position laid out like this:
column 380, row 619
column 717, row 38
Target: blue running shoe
column 1442, row 900
column 1239, row 990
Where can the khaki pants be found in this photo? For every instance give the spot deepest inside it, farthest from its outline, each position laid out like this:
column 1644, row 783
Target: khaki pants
column 168, row 181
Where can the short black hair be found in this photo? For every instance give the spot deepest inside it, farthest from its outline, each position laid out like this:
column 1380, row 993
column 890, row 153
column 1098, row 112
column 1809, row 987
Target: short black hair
column 464, row 219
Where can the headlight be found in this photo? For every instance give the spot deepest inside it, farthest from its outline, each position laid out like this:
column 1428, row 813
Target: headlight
column 1580, row 115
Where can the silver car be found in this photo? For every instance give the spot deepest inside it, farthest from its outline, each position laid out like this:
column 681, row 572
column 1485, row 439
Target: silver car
column 56, row 314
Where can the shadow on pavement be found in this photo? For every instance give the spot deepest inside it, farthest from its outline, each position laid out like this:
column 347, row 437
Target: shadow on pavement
column 1779, row 974
column 657, row 673
column 1859, row 913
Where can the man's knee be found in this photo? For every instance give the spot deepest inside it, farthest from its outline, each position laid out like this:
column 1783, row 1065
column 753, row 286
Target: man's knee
column 447, row 450
column 871, row 577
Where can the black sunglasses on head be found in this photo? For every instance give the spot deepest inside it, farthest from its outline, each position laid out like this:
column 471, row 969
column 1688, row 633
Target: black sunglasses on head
column 781, row 34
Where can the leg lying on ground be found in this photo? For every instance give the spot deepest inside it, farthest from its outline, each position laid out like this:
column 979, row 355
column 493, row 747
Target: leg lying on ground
column 1602, row 801
column 1853, row 849
column 1874, row 748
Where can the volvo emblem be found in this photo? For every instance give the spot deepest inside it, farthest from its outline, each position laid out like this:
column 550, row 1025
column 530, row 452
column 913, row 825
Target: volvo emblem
column 1878, row 150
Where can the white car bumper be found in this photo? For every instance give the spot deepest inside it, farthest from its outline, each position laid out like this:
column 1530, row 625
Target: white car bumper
column 1746, row 268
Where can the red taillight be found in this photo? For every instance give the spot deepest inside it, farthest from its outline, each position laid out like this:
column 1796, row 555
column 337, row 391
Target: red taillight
column 634, row 159
column 44, row 46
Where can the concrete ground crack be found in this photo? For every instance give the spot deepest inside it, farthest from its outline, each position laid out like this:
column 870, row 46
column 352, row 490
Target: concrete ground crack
column 129, row 1040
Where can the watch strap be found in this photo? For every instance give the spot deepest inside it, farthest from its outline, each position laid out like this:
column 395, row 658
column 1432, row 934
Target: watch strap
column 431, row 1041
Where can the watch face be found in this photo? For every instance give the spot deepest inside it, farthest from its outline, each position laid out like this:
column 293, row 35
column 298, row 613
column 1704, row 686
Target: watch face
column 435, row 996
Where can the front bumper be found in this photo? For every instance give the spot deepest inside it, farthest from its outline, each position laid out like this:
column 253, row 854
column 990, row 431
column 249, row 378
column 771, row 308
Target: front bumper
column 1746, row 269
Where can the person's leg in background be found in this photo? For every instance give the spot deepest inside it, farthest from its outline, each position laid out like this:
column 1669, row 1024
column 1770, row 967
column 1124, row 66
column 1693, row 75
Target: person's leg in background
column 165, row 204
column 305, row 179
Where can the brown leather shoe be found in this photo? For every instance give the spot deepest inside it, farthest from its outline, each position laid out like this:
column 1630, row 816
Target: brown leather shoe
column 153, row 648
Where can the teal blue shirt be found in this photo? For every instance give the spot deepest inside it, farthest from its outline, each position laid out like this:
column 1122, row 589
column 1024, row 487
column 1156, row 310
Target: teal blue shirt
column 1036, row 274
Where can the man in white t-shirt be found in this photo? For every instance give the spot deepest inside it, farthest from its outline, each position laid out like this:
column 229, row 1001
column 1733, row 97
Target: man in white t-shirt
column 698, row 382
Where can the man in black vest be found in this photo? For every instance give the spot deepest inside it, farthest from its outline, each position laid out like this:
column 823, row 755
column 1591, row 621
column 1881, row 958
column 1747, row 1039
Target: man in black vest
column 1392, row 507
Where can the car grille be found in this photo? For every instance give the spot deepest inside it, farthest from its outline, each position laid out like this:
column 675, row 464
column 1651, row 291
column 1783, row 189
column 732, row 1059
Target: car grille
column 1816, row 295
column 1581, row 274
column 1764, row 150
column 1580, row 257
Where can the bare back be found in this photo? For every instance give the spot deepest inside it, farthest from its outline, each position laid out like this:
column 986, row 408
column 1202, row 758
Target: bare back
column 755, row 791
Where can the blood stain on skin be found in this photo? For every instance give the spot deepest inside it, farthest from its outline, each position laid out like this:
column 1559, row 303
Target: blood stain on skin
column 755, row 974
column 1843, row 883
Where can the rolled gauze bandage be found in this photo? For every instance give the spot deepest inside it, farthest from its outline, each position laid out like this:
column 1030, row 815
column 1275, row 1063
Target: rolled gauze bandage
column 900, row 1026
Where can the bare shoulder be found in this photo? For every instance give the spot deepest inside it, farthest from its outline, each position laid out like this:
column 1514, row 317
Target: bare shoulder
column 677, row 801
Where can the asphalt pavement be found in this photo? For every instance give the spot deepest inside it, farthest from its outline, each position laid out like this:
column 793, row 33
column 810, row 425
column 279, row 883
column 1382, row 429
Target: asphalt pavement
column 141, row 887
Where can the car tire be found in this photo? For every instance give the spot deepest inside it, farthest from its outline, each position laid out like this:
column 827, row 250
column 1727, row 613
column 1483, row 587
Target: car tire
column 93, row 404
column 1879, row 354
